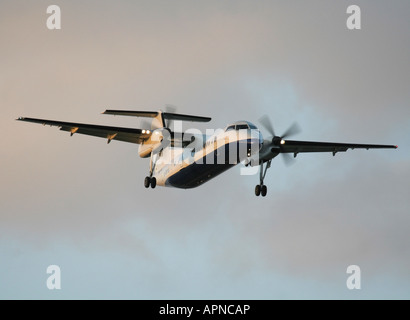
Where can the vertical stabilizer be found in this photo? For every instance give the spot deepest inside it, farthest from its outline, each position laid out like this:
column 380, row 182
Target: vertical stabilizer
column 158, row 121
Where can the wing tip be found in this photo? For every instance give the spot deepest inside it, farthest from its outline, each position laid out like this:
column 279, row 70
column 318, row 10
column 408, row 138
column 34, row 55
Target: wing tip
column 20, row 118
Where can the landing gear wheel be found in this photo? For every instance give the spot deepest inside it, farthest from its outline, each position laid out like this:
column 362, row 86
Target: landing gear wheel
column 153, row 182
column 257, row 190
column 264, row 190
column 147, row 182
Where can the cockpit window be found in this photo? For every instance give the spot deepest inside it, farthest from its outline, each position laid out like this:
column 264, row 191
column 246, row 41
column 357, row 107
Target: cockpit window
column 241, row 126
column 230, row 128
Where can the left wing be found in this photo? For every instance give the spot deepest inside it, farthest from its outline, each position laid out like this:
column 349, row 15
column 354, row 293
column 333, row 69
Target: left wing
column 292, row 146
column 130, row 135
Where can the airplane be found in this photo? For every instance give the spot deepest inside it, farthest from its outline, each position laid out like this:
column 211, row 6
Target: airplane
column 189, row 159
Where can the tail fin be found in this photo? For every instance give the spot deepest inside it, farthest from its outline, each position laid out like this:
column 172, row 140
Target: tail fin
column 158, row 121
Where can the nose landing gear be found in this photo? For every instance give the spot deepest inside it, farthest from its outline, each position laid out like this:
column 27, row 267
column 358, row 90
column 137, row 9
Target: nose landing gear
column 261, row 189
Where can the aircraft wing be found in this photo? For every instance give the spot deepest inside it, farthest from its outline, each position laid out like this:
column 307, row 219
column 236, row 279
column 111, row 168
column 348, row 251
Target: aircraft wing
column 292, row 146
column 130, row 135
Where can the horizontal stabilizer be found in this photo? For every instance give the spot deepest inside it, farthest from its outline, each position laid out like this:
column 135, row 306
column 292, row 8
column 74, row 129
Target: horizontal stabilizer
column 146, row 114
column 153, row 114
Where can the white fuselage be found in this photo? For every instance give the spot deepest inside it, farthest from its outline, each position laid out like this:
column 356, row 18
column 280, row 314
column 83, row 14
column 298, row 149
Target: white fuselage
column 189, row 168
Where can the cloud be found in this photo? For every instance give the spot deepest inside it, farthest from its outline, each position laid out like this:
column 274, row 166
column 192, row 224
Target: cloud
column 361, row 218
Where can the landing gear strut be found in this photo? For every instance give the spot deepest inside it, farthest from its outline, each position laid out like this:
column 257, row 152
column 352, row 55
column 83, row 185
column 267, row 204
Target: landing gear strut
column 150, row 180
column 261, row 189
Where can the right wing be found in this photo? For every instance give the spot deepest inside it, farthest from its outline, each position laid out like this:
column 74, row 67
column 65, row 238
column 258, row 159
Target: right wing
column 130, row 135
column 292, row 146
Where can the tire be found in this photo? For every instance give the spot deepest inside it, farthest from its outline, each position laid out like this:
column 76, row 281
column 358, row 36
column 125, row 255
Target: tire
column 257, row 190
column 153, row 182
column 147, row 182
column 264, row 190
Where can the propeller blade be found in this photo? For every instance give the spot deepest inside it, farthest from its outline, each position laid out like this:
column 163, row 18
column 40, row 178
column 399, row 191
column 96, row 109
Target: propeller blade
column 170, row 109
column 267, row 124
column 292, row 130
column 144, row 124
column 288, row 159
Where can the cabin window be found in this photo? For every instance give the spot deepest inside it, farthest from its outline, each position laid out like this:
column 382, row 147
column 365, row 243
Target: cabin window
column 241, row 126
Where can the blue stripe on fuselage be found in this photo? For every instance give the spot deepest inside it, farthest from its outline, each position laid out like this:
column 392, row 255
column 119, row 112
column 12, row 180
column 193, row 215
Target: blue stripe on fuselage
column 197, row 174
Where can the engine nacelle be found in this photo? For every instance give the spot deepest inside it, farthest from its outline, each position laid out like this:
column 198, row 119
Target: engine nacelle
column 159, row 139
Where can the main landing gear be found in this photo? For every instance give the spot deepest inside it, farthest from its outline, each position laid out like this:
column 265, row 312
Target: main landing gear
column 261, row 189
column 150, row 180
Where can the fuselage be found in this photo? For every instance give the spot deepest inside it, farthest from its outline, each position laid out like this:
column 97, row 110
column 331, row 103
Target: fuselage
column 191, row 167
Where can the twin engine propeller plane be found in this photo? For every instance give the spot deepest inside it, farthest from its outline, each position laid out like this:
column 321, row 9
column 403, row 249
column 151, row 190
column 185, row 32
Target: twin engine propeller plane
column 189, row 159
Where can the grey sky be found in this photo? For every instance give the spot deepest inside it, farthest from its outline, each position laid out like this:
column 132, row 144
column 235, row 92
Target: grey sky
column 80, row 203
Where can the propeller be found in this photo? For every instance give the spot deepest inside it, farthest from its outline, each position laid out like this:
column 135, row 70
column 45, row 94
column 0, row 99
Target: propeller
column 144, row 124
column 170, row 109
column 294, row 129
column 265, row 121
column 277, row 140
